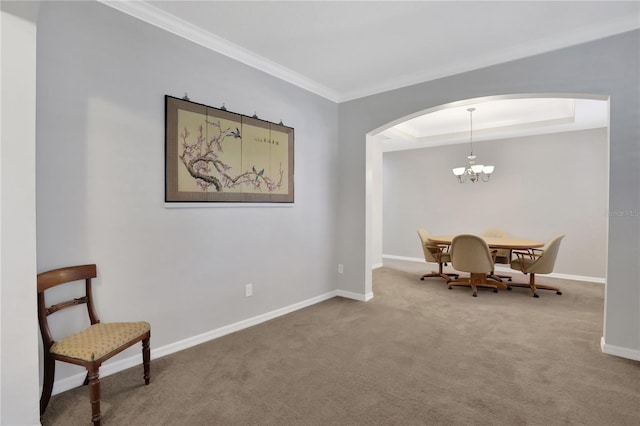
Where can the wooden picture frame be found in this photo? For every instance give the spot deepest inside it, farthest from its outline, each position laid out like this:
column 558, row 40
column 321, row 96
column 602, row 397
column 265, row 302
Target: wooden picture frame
column 216, row 156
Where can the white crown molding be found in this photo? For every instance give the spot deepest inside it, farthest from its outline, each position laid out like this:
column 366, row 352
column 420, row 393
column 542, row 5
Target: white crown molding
column 170, row 23
column 605, row 29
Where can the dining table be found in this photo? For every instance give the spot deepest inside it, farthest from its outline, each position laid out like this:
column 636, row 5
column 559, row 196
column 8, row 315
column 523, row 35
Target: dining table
column 510, row 243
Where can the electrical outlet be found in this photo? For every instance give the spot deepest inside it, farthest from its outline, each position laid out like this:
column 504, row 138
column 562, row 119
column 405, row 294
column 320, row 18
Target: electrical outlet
column 340, row 268
column 248, row 290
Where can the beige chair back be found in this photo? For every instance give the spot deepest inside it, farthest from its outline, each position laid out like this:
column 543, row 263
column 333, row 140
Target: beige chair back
column 545, row 263
column 470, row 253
column 502, row 255
column 428, row 247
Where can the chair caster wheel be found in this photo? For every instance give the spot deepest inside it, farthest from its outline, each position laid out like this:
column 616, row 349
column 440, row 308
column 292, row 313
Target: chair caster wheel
column 421, row 278
column 495, row 290
column 450, row 287
column 535, row 295
column 475, row 294
column 558, row 293
column 509, row 288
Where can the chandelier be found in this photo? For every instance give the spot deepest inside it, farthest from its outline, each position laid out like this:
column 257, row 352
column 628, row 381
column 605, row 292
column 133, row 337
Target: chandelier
column 475, row 172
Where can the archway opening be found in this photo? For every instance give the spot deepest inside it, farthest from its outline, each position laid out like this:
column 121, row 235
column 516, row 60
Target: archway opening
column 564, row 152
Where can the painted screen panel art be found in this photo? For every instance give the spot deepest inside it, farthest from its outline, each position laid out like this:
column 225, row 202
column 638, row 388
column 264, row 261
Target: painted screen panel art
column 216, row 156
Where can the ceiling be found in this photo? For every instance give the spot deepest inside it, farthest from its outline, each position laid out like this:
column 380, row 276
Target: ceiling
column 344, row 50
column 494, row 119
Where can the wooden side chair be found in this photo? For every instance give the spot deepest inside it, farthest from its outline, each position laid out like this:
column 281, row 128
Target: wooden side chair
column 436, row 254
column 90, row 347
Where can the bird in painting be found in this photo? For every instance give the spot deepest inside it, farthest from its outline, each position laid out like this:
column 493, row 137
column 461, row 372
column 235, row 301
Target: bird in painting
column 258, row 173
column 235, row 134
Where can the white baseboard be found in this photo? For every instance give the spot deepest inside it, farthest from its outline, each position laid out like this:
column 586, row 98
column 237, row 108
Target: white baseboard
column 628, row 353
column 596, row 280
column 377, row 265
column 559, row 276
column 410, row 259
column 109, row 368
column 355, row 296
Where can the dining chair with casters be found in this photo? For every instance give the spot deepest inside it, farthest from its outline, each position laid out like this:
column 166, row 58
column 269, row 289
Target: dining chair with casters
column 537, row 261
column 470, row 253
column 435, row 253
column 90, row 347
column 503, row 256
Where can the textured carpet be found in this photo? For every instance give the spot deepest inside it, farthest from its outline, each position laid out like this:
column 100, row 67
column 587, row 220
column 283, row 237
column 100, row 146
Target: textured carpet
column 416, row 354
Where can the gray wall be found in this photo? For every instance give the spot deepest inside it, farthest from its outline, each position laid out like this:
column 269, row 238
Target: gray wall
column 543, row 185
column 102, row 77
column 607, row 67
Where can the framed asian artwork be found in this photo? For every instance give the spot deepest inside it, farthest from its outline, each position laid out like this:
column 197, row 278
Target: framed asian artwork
column 216, row 156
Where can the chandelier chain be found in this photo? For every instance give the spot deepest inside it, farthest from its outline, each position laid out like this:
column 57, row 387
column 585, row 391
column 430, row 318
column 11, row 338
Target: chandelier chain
column 471, row 128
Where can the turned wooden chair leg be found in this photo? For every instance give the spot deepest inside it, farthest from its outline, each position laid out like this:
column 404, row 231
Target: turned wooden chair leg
column 146, row 357
column 47, row 382
column 94, row 394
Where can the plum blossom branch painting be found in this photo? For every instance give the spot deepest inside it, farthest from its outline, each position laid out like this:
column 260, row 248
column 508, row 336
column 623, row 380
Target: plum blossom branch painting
column 213, row 155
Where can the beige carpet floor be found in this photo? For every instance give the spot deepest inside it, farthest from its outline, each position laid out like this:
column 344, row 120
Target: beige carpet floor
column 417, row 354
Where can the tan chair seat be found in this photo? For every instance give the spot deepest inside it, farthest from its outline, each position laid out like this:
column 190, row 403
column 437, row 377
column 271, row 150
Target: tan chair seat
column 518, row 263
column 99, row 339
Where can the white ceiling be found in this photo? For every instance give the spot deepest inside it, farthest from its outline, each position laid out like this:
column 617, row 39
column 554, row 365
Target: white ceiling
column 348, row 49
column 343, row 50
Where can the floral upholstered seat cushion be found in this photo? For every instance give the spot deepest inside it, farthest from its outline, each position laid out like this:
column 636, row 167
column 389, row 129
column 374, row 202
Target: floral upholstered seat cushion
column 99, row 339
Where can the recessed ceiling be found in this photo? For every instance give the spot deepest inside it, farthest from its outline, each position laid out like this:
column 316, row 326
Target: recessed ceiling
column 344, row 50
column 496, row 119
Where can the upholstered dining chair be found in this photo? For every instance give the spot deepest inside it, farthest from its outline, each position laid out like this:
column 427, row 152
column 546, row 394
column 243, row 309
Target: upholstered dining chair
column 537, row 261
column 470, row 253
column 435, row 253
column 503, row 256
column 88, row 348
